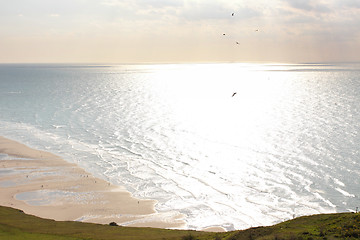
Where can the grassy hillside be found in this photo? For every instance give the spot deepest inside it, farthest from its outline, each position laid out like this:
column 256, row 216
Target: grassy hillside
column 15, row 224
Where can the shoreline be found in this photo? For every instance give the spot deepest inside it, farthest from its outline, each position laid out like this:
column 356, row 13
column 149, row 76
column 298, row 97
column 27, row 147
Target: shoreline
column 45, row 185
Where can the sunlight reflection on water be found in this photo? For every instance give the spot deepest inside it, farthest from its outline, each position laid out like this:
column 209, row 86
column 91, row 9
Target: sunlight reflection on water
column 284, row 145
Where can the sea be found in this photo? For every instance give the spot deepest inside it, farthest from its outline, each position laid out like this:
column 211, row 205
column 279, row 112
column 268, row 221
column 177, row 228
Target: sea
column 235, row 145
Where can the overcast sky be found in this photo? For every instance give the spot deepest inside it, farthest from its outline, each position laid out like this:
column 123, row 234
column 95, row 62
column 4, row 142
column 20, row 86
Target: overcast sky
column 128, row 31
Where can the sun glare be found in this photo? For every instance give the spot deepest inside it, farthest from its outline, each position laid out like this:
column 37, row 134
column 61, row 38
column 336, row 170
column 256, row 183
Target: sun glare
column 220, row 102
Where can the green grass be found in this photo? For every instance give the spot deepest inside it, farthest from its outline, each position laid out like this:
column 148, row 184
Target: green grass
column 15, row 224
column 322, row 226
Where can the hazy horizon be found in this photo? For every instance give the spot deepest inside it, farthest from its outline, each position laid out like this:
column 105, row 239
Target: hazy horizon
column 96, row 64
column 179, row 31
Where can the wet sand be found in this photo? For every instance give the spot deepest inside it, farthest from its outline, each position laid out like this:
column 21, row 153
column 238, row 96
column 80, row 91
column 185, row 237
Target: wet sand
column 45, row 185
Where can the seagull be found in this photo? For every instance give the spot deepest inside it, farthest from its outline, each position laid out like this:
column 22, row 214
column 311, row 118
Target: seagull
column 233, row 94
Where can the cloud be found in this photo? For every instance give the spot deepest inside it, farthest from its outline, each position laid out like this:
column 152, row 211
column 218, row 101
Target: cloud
column 194, row 10
column 300, row 4
column 309, row 5
column 141, row 4
column 186, row 24
column 216, row 10
column 159, row 3
column 350, row 3
column 186, row 10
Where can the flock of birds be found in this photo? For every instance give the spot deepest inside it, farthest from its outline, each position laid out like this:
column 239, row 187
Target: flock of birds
column 237, row 43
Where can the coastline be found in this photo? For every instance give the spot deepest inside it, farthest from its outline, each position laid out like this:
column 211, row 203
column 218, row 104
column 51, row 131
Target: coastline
column 45, row 185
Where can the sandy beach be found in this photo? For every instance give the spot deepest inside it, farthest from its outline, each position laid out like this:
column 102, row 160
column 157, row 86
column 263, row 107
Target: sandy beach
column 45, row 185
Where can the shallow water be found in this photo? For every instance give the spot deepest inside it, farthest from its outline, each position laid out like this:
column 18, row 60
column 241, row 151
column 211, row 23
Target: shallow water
column 285, row 145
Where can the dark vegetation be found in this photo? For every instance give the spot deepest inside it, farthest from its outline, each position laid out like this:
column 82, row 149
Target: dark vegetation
column 15, row 224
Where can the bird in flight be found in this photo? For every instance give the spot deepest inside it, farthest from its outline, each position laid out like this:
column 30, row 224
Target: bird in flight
column 232, row 14
column 233, row 94
column 237, row 43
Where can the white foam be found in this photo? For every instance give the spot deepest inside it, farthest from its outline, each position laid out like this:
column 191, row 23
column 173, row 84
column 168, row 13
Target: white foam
column 345, row 193
column 338, row 182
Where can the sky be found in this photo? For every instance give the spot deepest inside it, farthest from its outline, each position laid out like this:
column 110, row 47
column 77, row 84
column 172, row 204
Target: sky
column 168, row 31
